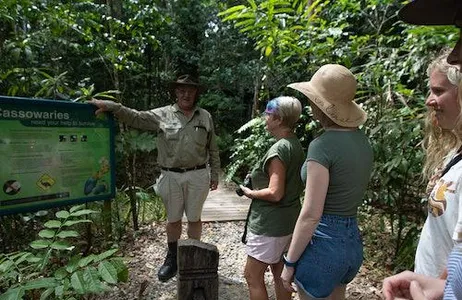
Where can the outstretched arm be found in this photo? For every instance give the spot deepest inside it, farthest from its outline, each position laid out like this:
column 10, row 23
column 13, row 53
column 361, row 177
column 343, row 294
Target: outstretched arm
column 147, row 120
column 104, row 105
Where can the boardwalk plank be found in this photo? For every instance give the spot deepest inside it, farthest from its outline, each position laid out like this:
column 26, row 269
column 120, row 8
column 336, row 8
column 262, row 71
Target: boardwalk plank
column 224, row 205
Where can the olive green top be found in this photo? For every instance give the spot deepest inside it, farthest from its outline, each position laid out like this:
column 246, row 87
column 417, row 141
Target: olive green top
column 182, row 141
column 348, row 157
column 278, row 218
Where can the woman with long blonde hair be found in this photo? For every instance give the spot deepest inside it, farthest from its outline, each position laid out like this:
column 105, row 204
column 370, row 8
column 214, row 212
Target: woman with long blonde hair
column 442, row 143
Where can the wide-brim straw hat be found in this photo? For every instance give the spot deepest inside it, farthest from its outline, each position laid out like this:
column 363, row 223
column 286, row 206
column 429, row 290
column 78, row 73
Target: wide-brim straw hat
column 332, row 88
column 432, row 12
column 186, row 80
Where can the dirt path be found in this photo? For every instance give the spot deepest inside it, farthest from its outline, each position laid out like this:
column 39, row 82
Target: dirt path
column 146, row 249
column 145, row 254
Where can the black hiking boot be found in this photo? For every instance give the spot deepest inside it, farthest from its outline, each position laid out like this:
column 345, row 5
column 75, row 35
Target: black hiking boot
column 169, row 268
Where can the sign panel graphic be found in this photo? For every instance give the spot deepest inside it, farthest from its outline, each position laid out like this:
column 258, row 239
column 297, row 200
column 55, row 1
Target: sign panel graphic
column 53, row 153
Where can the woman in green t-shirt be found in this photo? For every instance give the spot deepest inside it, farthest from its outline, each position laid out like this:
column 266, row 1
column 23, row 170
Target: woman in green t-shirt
column 326, row 251
column 275, row 194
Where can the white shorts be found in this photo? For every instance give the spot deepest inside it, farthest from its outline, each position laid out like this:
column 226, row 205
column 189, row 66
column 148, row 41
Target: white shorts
column 183, row 192
column 267, row 249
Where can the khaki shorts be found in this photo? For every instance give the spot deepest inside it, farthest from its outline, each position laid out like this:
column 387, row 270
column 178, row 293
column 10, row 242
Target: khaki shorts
column 183, row 193
column 267, row 249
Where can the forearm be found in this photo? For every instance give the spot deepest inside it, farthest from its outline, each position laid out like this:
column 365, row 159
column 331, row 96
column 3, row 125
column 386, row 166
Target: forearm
column 214, row 159
column 269, row 194
column 433, row 288
column 312, row 210
column 303, row 232
column 137, row 119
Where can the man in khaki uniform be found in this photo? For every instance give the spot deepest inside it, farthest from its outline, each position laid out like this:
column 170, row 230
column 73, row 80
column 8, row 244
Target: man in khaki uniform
column 186, row 145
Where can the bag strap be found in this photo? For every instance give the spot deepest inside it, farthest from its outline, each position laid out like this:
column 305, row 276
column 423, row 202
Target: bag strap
column 244, row 235
column 453, row 162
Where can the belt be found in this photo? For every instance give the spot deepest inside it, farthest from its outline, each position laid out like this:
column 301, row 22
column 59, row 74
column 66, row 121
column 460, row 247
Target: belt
column 182, row 170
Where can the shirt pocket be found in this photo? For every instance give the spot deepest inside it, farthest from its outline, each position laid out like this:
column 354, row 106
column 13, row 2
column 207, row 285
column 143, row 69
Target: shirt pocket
column 200, row 135
column 172, row 131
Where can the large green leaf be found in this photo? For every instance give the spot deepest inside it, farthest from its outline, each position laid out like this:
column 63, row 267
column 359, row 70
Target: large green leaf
column 13, row 256
column 68, row 233
column 121, row 267
column 26, row 256
column 47, row 233
column 6, row 265
column 41, row 283
column 232, row 10
column 33, row 259
column 73, row 222
column 87, row 260
column 77, row 207
column 53, row 224
column 78, row 283
column 106, row 254
column 40, row 244
column 108, row 272
column 92, row 280
column 13, row 294
column 59, row 290
column 61, row 273
column 73, row 264
column 47, row 293
column 62, row 214
column 61, row 245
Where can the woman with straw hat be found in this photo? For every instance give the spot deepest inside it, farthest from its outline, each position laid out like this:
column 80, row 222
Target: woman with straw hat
column 326, row 250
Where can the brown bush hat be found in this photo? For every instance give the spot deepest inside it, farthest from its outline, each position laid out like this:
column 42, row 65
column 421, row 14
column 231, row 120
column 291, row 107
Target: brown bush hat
column 186, row 80
column 332, row 88
column 432, row 12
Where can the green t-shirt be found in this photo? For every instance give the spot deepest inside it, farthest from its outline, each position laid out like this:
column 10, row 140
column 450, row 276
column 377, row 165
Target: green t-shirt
column 348, row 156
column 278, row 218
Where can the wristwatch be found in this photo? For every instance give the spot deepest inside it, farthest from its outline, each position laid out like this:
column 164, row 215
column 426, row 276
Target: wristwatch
column 287, row 262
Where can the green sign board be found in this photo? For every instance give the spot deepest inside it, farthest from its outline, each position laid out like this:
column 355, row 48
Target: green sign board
column 53, row 153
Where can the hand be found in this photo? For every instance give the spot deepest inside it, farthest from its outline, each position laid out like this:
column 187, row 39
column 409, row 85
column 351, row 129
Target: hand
column 103, row 105
column 416, row 291
column 213, row 185
column 287, row 277
column 246, row 191
column 397, row 286
column 409, row 285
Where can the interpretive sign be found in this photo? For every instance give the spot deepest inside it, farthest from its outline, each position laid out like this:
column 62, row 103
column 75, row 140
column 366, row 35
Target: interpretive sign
column 53, row 153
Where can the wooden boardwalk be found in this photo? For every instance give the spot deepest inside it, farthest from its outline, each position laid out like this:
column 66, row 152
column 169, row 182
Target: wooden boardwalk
column 224, row 205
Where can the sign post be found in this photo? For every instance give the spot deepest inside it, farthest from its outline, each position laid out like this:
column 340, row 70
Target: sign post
column 53, row 153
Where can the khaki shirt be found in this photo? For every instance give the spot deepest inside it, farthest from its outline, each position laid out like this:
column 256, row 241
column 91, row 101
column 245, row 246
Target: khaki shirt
column 182, row 142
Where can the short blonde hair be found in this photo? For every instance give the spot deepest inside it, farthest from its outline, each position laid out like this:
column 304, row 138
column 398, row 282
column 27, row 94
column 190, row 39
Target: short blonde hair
column 288, row 109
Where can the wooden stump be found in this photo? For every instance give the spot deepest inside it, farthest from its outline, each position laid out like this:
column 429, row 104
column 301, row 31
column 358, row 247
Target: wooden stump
column 197, row 270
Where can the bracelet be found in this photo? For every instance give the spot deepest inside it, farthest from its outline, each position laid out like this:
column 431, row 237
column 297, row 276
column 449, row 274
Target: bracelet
column 287, row 262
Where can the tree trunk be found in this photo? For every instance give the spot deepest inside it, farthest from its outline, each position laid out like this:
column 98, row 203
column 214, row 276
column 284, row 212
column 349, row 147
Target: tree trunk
column 131, row 190
column 256, row 93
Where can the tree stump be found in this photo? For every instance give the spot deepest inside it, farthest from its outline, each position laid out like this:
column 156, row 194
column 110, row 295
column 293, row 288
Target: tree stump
column 197, row 270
